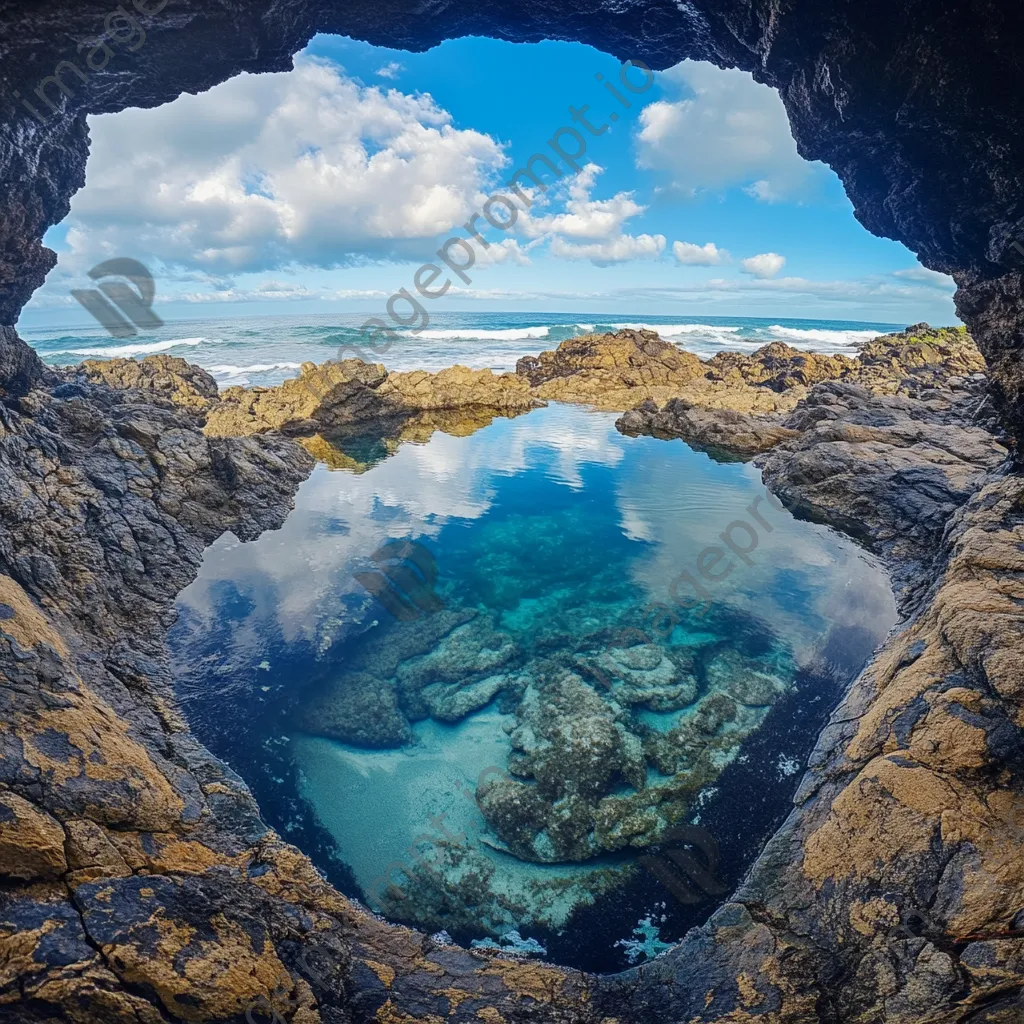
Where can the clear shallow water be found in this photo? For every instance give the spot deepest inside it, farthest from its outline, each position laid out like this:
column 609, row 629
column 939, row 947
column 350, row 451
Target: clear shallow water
column 504, row 761
column 266, row 350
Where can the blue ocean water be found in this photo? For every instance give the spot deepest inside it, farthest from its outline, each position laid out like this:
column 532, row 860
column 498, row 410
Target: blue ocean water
column 501, row 763
column 265, row 350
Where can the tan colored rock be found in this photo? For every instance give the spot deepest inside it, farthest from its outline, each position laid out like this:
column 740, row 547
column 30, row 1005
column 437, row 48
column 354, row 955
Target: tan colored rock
column 31, row 841
column 714, row 430
column 610, row 371
column 91, row 853
column 777, row 366
column 617, row 372
column 185, row 385
column 338, row 394
column 931, row 354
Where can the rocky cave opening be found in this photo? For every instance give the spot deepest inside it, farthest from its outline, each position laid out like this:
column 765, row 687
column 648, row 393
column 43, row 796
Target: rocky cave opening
column 909, row 105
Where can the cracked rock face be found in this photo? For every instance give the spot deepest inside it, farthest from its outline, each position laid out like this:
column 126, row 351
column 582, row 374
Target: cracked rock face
column 138, row 882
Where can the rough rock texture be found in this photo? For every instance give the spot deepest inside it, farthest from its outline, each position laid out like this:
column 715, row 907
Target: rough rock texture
column 907, row 101
column 137, row 882
column 618, row 371
column 184, row 384
column 324, row 398
column 20, row 367
column 177, row 901
column 715, row 430
column 734, row 393
column 890, row 470
column 942, row 363
column 931, row 355
column 894, row 891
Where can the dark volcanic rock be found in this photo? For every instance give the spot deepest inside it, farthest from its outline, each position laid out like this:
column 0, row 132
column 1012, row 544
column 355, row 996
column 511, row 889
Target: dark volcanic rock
column 20, row 367
column 890, row 470
column 127, row 852
column 173, row 900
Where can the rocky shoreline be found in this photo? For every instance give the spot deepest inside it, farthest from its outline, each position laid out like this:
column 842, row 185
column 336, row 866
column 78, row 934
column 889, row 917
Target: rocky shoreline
column 140, row 883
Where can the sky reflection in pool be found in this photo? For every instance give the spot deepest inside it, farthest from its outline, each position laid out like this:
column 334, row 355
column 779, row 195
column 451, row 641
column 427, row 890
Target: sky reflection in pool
column 364, row 738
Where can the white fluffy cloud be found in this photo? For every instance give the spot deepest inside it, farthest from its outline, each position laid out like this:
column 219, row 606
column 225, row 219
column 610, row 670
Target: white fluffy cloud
column 763, row 265
column 692, row 255
column 305, row 167
column 615, row 250
column 591, row 229
column 728, row 132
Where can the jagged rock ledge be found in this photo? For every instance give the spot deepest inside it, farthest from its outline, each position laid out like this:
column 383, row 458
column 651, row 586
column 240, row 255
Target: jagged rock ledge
column 885, row 447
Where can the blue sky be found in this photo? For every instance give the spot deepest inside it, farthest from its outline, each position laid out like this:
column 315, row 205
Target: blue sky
column 325, row 188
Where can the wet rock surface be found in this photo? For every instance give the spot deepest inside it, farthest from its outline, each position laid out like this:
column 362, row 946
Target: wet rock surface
column 913, row 805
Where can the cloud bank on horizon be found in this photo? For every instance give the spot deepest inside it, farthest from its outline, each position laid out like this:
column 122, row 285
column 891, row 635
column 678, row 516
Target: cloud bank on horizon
column 315, row 186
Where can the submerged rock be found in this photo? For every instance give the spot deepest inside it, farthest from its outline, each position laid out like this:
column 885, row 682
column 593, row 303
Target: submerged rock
column 450, row 702
column 462, row 654
column 568, row 742
column 730, row 672
column 355, row 708
column 650, row 676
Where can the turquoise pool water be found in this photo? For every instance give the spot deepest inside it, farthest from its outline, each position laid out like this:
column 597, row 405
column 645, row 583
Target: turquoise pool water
column 541, row 718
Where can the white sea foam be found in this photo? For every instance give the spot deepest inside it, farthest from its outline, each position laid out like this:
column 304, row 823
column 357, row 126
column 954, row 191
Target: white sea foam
column 227, row 370
column 667, row 329
column 475, row 334
column 124, row 351
column 820, row 339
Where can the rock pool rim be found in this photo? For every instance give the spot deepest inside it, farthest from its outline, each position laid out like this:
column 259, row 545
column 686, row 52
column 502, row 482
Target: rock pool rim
column 946, row 73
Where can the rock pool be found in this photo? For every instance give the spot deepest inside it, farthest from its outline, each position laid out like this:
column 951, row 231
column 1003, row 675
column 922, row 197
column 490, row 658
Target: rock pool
column 558, row 725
